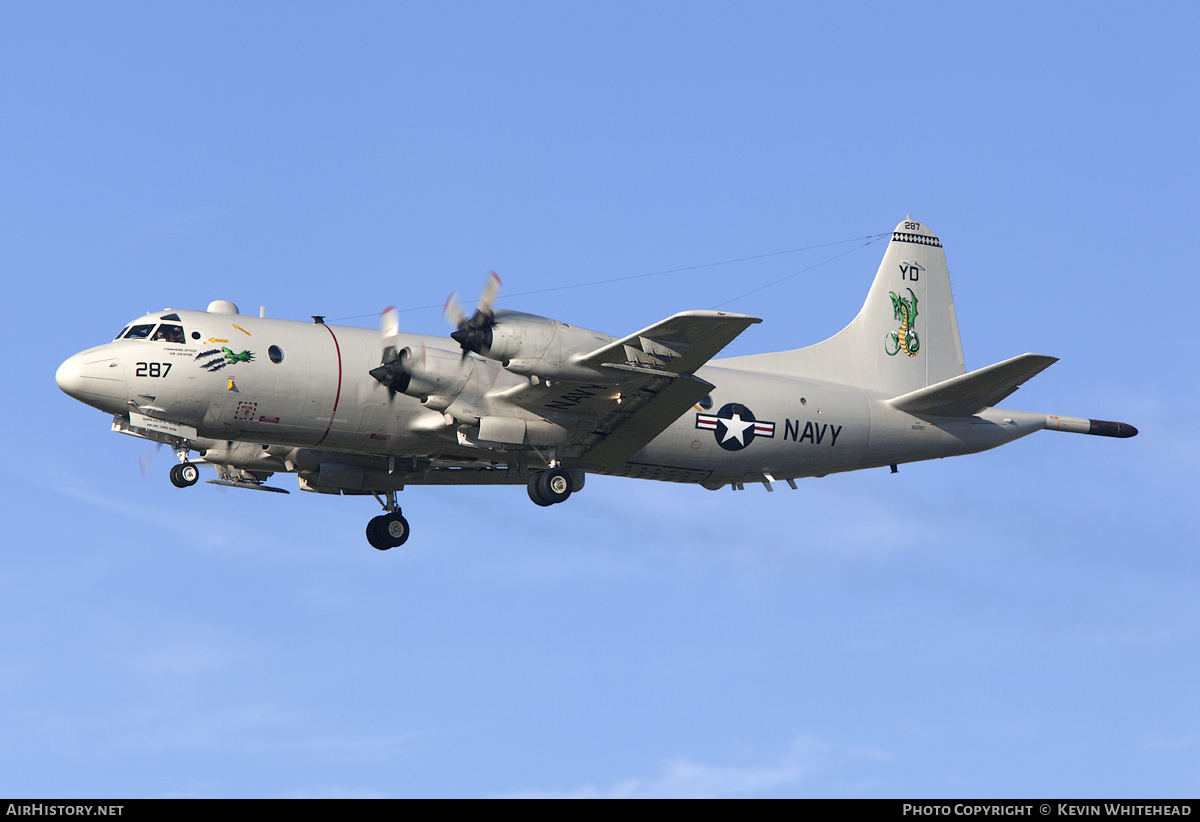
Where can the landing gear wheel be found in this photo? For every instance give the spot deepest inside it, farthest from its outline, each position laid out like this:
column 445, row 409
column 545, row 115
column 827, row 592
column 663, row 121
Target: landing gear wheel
column 395, row 529
column 375, row 534
column 536, row 492
column 557, row 484
column 550, row 486
column 184, row 475
column 387, row 531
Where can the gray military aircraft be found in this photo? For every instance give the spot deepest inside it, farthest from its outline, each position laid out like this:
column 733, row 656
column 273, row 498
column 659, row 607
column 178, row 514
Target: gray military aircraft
column 528, row 400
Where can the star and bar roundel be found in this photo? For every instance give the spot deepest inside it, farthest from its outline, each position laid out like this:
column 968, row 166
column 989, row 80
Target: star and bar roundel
column 734, row 426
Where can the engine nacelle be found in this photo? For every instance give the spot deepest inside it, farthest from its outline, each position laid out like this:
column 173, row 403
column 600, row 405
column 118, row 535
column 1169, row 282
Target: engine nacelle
column 431, row 375
column 342, row 478
column 530, row 345
column 433, row 372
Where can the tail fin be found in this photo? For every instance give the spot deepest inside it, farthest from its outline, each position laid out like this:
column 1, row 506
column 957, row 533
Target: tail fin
column 904, row 338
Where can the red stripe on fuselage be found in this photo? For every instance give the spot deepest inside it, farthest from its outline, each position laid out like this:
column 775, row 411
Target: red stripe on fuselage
column 338, row 395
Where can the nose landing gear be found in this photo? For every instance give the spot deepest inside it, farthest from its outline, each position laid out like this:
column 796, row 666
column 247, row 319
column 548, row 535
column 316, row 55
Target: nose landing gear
column 184, row 475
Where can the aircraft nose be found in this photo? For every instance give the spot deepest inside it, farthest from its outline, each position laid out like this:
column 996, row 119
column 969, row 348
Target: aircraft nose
column 94, row 377
column 69, row 376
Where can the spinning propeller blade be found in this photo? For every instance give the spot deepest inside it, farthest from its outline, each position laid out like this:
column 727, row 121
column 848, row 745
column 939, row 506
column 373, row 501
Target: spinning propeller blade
column 491, row 290
column 148, row 456
column 453, row 312
column 391, row 371
column 474, row 334
column 389, row 327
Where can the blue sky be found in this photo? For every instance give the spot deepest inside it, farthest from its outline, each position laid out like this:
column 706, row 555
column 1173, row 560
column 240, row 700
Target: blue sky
column 1017, row 623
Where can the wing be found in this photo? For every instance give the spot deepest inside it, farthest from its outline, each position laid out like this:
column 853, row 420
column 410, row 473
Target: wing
column 652, row 385
column 679, row 344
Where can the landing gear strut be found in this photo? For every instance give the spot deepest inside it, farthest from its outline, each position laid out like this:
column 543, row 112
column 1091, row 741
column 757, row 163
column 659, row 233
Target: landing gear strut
column 550, row 486
column 184, row 475
column 389, row 530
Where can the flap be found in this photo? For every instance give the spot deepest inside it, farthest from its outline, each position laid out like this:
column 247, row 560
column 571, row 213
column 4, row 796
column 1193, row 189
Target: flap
column 612, row 422
column 637, row 426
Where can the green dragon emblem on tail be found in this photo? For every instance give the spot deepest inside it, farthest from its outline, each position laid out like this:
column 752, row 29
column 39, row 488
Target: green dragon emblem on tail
column 905, row 337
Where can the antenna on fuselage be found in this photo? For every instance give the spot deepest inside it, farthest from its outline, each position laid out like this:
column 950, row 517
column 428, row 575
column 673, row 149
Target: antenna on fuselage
column 222, row 307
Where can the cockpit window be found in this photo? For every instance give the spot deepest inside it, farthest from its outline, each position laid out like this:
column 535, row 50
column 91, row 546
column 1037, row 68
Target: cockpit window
column 139, row 332
column 121, row 333
column 169, row 333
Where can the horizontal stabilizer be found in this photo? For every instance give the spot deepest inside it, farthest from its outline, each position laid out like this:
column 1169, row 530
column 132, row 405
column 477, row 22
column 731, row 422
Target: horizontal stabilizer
column 970, row 393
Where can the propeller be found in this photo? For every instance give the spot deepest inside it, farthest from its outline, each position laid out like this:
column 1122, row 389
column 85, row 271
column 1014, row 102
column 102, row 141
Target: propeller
column 148, row 456
column 391, row 371
column 474, row 333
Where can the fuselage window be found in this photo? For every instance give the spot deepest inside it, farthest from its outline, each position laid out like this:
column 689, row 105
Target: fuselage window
column 139, row 332
column 169, row 333
column 276, row 354
column 706, row 403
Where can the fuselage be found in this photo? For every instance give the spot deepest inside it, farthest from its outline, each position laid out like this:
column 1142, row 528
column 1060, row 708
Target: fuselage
column 291, row 388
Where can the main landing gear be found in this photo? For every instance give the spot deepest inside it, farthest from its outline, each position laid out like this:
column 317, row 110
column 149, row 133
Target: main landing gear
column 184, row 475
column 388, row 530
column 550, row 486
